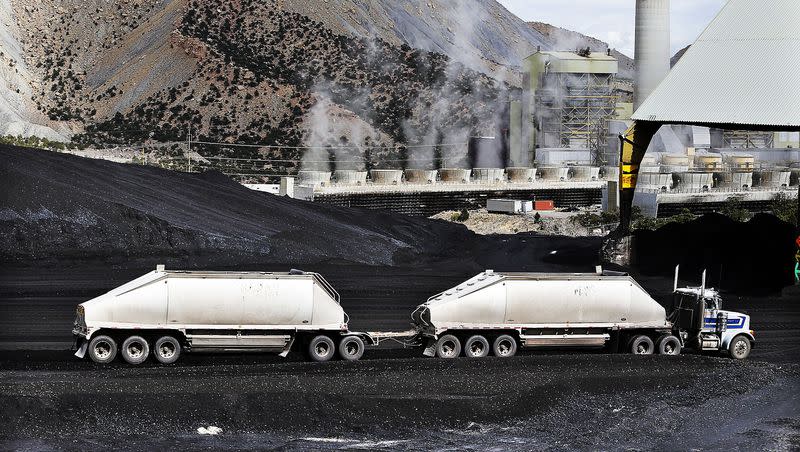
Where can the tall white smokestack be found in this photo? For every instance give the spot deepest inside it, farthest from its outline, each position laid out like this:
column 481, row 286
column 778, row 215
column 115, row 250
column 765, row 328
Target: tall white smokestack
column 652, row 46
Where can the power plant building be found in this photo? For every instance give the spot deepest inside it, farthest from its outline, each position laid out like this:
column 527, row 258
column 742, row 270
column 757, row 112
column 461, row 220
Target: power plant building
column 568, row 99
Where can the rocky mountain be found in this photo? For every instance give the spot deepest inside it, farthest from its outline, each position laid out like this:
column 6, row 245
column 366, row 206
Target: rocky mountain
column 375, row 74
column 563, row 39
column 362, row 82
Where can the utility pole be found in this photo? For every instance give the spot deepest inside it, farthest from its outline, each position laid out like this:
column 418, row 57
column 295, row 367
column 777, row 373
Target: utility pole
column 189, row 142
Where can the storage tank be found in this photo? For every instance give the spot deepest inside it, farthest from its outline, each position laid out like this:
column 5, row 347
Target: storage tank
column 657, row 181
column 488, row 175
column 419, row 176
column 734, row 180
column 674, row 163
column 553, row 173
column 386, row 176
column 584, row 173
column 652, row 52
column 520, row 174
column 314, row 178
column 693, row 181
column 772, row 178
column 610, row 172
column 740, row 162
column 454, row 175
column 349, row 177
column 708, row 162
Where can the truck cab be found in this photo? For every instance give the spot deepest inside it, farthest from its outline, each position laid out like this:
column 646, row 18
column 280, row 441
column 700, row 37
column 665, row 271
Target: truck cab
column 698, row 319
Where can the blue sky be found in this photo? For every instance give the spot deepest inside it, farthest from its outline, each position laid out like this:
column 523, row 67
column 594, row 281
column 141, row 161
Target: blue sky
column 612, row 20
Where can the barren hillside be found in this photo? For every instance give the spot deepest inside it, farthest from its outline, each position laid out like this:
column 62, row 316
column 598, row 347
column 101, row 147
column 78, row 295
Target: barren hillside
column 375, row 75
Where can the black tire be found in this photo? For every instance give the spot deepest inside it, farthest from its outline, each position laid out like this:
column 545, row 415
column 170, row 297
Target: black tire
column 102, row 349
column 321, row 349
column 448, row 347
column 351, row 348
column 642, row 345
column 167, row 350
column 135, row 350
column 668, row 345
column 476, row 347
column 740, row 347
column 504, row 346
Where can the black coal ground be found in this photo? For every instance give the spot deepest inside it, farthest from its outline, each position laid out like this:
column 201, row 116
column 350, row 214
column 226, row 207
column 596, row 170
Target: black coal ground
column 74, row 228
column 394, row 398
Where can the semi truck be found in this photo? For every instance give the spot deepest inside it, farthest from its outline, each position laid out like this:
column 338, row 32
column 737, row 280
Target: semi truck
column 167, row 312
column 499, row 313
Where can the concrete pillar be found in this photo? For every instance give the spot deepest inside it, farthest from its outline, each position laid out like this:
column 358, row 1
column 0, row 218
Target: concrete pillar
column 611, row 196
column 287, row 187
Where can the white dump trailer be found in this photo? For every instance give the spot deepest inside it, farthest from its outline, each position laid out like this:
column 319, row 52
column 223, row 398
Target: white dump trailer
column 174, row 311
column 500, row 312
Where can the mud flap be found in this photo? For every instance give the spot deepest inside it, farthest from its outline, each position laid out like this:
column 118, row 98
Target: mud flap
column 430, row 349
column 287, row 348
column 82, row 349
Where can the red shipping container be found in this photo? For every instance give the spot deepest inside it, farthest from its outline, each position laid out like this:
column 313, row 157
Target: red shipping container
column 543, row 205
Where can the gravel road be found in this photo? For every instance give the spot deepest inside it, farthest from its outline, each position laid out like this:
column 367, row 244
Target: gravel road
column 394, row 398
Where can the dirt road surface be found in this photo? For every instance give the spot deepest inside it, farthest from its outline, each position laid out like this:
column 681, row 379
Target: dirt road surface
column 394, row 398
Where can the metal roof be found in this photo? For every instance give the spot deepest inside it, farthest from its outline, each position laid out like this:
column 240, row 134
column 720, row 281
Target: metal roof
column 744, row 69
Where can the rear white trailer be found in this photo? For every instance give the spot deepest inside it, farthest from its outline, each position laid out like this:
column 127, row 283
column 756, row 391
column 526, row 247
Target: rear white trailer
column 172, row 311
column 501, row 312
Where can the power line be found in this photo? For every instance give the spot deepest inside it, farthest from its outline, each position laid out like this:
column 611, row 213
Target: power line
column 239, row 159
column 352, row 146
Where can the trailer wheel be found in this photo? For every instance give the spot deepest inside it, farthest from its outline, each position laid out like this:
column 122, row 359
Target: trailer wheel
column 321, row 349
column 102, row 349
column 135, row 350
column 668, row 345
column 642, row 345
column 739, row 347
column 476, row 347
column 505, row 346
column 448, row 346
column 167, row 350
column 351, row 348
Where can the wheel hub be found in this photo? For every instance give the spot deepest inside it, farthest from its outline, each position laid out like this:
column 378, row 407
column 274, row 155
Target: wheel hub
column 167, row 350
column 102, row 350
column 135, row 350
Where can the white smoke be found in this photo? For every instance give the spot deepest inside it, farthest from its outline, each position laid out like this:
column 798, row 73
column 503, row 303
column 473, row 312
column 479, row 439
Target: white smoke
column 433, row 135
column 335, row 137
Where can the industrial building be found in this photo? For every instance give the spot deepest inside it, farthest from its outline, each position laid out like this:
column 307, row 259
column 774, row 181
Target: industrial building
column 428, row 192
column 569, row 98
column 563, row 138
column 707, row 89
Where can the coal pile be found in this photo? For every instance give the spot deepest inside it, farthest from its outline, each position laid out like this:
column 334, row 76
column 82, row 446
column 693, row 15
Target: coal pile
column 58, row 205
column 59, row 209
column 756, row 257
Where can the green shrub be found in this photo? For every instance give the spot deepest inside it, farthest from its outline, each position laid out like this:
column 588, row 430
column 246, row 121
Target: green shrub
column 785, row 208
column 733, row 209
